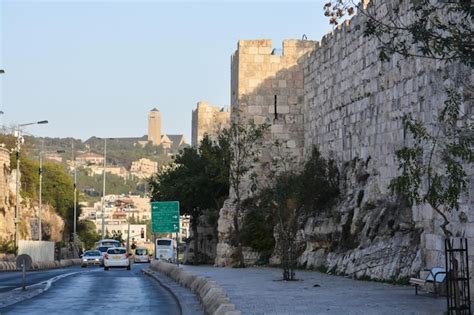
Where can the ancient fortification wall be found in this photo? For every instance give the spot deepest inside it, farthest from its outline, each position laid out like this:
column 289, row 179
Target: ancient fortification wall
column 338, row 96
column 353, row 109
column 208, row 119
column 267, row 86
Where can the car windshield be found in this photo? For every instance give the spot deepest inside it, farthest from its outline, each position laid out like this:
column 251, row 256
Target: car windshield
column 116, row 251
column 141, row 251
column 103, row 249
column 110, row 243
column 92, row 253
column 163, row 242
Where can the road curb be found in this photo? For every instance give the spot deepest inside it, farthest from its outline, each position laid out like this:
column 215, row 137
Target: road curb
column 150, row 274
column 41, row 265
column 213, row 297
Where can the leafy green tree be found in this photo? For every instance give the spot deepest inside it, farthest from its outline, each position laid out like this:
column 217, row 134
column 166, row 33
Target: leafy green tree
column 245, row 142
column 197, row 180
column 86, row 230
column 433, row 167
column 58, row 191
column 278, row 209
column 57, row 188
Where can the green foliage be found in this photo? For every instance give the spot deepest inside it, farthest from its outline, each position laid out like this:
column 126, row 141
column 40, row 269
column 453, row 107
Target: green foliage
column 58, row 189
column 125, row 151
column 292, row 195
column 259, row 222
column 121, row 151
column 115, row 184
column 7, row 246
column 245, row 141
column 198, row 179
column 29, row 179
column 318, row 185
column 86, row 230
column 432, row 168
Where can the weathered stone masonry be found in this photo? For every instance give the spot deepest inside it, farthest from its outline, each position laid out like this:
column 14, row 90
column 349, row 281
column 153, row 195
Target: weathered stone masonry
column 208, row 119
column 337, row 95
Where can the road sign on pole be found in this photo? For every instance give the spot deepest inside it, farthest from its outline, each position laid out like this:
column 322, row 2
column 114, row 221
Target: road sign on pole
column 165, row 216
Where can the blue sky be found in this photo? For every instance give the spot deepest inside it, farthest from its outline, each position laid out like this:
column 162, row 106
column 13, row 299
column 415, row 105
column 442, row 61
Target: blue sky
column 96, row 68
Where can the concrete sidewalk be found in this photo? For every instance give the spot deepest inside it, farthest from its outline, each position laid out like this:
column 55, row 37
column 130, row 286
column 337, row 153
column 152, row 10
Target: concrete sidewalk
column 259, row 291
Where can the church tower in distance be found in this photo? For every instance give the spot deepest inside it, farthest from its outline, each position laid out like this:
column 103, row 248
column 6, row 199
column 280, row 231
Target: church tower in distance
column 154, row 126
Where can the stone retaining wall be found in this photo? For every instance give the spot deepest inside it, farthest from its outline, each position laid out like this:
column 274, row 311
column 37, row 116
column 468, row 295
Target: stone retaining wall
column 213, row 298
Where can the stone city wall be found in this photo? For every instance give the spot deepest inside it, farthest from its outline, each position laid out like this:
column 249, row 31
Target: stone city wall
column 267, row 86
column 338, row 96
column 208, row 119
column 353, row 110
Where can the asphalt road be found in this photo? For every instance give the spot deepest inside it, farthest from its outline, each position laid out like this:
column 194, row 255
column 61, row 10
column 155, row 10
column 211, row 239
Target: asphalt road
column 95, row 291
column 12, row 280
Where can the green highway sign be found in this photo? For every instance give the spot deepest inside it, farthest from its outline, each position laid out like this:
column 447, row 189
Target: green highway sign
column 165, row 216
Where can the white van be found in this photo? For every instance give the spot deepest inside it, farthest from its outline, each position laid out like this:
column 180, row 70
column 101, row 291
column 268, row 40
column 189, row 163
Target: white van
column 164, row 249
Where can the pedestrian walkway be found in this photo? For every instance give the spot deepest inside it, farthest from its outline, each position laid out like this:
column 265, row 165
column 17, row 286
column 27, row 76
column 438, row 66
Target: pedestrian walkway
column 260, row 291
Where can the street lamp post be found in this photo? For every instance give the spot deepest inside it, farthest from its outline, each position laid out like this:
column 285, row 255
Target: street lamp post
column 103, row 188
column 128, row 230
column 75, row 191
column 41, row 189
column 17, row 203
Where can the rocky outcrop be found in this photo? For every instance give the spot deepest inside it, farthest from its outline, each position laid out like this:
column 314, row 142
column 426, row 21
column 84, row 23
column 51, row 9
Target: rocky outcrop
column 207, row 241
column 224, row 250
column 7, row 201
column 364, row 235
column 52, row 223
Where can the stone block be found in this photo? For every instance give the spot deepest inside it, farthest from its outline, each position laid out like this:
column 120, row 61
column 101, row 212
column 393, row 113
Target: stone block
column 283, row 109
column 291, row 144
column 434, row 242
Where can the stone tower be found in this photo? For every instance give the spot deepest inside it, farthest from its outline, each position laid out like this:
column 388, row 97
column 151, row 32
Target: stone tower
column 154, row 126
column 208, row 119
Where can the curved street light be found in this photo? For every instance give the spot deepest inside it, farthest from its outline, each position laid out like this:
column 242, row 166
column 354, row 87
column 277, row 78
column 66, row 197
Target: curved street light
column 18, row 145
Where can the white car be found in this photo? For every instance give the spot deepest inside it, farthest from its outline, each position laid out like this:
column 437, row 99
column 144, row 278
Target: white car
column 141, row 255
column 116, row 257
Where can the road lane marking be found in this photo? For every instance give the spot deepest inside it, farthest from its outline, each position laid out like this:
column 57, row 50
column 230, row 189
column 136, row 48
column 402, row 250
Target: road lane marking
column 49, row 282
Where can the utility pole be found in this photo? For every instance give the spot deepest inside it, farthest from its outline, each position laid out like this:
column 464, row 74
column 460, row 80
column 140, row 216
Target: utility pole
column 40, row 191
column 128, row 232
column 17, row 194
column 75, row 191
column 103, row 188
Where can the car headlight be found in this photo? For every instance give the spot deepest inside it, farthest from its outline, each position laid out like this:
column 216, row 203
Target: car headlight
column 84, row 260
column 97, row 259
